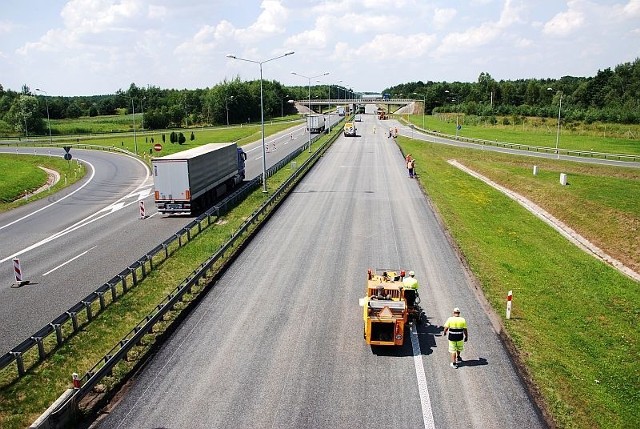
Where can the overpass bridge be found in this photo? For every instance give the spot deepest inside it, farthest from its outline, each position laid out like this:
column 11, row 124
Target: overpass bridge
column 355, row 102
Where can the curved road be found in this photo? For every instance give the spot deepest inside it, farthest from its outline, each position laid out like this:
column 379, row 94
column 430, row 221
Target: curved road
column 277, row 343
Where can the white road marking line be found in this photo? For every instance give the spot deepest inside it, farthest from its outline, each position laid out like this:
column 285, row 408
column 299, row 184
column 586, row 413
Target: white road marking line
column 425, row 400
column 69, row 261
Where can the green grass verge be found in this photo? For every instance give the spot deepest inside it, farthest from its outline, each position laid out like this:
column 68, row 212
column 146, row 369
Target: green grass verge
column 23, row 400
column 575, row 319
column 23, row 176
column 607, row 138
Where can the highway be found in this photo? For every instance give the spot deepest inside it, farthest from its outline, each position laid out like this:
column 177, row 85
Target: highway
column 72, row 242
column 277, row 343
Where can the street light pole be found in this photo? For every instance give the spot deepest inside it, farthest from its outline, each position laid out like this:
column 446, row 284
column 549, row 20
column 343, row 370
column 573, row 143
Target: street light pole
column 226, row 106
column 558, row 131
column 456, row 100
column 282, row 105
column 135, row 142
column 424, row 107
column 142, row 111
column 309, row 77
column 47, row 104
column 264, row 150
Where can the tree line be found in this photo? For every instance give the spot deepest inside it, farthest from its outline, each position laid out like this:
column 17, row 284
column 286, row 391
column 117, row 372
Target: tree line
column 610, row 96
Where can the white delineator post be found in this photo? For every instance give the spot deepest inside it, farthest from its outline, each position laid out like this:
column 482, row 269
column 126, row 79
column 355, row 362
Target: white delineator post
column 509, row 298
column 142, row 215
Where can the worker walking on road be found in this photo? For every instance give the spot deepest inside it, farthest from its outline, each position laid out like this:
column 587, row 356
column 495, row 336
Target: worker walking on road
column 456, row 329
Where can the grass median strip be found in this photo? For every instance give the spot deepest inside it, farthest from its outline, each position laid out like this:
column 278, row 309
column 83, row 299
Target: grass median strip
column 574, row 321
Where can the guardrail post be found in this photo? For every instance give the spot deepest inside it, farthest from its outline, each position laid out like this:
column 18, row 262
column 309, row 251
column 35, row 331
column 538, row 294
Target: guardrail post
column 87, row 306
column 101, row 299
column 41, row 353
column 58, row 331
column 150, row 257
column 114, row 292
column 123, row 280
column 134, row 276
column 19, row 362
column 74, row 320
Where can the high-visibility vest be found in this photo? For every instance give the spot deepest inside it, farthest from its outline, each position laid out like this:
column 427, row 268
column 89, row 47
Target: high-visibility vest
column 410, row 283
column 456, row 325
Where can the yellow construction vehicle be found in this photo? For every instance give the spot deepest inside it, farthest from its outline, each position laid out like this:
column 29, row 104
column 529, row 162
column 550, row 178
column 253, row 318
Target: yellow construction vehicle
column 388, row 307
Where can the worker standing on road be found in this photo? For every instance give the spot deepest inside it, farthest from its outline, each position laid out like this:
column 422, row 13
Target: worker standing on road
column 456, row 329
column 410, row 282
column 411, row 164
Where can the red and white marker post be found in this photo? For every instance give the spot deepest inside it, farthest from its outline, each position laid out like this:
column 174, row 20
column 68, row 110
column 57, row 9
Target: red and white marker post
column 509, row 298
column 17, row 271
column 142, row 215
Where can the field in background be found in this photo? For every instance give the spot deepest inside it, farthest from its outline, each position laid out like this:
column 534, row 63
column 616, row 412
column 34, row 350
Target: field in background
column 611, row 138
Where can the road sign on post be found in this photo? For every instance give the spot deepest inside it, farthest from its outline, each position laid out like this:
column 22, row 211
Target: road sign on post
column 67, row 155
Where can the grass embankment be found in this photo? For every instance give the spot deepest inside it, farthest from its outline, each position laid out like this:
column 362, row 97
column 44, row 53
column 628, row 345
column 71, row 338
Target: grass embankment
column 541, row 132
column 575, row 319
column 118, row 124
column 22, row 401
column 23, row 176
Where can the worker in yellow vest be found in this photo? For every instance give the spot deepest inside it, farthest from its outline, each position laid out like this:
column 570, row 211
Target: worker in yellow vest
column 410, row 282
column 456, row 330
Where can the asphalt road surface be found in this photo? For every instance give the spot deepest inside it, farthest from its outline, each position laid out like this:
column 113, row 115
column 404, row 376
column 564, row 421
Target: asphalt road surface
column 277, row 343
column 72, row 242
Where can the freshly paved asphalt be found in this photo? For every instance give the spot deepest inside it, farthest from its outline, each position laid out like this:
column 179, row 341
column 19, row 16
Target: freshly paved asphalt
column 277, row 343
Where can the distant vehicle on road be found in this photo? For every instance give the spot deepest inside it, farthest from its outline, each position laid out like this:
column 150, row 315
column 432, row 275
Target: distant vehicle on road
column 315, row 123
column 350, row 129
column 340, row 110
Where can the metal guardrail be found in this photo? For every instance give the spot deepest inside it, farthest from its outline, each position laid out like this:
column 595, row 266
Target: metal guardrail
column 66, row 325
column 104, row 367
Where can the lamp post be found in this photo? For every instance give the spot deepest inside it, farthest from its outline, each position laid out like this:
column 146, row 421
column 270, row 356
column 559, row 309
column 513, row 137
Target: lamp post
column 424, row 107
column 558, row 131
column 47, row 104
column 264, row 150
column 309, row 77
column 226, row 106
column 142, row 111
column 135, row 142
column 282, row 105
column 455, row 100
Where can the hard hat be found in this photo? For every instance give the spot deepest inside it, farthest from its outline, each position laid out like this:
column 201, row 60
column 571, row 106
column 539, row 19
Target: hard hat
column 456, row 310
column 411, row 273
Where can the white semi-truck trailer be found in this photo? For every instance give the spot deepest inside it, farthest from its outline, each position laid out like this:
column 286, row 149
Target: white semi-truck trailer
column 315, row 123
column 190, row 181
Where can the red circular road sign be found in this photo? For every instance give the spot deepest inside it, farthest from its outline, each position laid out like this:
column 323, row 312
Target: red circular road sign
column 157, row 147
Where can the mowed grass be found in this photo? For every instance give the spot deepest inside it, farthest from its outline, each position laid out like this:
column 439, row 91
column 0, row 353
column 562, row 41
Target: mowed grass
column 113, row 124
column 22, row 176
column 144, row 142
column 575, row 319
column 606, row 138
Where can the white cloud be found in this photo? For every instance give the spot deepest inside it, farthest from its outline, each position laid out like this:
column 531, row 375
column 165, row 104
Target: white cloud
column 387, row 48
column 6, row 26
column 442, row 17
column 565, row 23
column 632, row 8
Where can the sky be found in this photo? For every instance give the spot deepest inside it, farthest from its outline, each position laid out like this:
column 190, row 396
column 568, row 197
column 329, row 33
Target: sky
column 92, row 47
